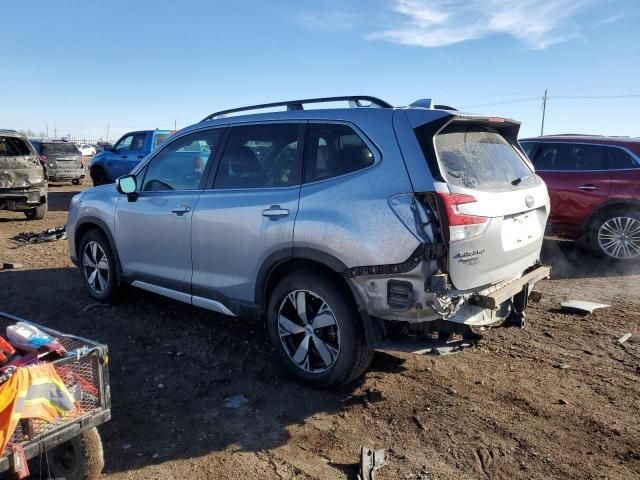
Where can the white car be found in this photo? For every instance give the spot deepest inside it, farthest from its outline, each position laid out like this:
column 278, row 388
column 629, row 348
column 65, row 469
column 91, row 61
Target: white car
column 86, row 150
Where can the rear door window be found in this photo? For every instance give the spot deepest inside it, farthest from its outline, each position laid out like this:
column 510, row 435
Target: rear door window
column 261, row 156
column 13, row 147
column 529, row 148
column 480, row 158
column 137, row 144
column 333, row 150
column 570, row 157
column 620, row 160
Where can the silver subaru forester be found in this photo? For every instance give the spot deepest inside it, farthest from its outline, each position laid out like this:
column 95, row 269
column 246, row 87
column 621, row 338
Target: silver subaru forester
column 345, row 229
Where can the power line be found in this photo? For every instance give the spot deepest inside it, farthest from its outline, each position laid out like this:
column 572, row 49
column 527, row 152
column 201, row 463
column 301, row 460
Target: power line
column 553, row 97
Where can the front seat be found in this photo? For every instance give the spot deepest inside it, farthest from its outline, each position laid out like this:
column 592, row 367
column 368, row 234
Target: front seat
column 243, row 170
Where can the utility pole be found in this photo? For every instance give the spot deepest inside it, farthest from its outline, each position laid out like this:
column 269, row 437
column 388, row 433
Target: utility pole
column 108, row 125
column 55, row 132
column 175, row 122
column 47, row 130
column 544, row 110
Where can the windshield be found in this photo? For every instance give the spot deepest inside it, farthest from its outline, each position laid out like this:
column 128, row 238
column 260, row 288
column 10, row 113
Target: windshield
column 59, row 149
column 480, row 158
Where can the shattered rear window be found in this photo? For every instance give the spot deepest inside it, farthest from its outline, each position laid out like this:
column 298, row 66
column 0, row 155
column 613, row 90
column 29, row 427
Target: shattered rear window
column 60, row 148
column 13, row 147
column 480, row 158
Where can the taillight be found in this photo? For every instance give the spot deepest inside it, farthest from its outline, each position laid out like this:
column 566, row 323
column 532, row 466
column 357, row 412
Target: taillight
column 43, row 158
column 462, row 226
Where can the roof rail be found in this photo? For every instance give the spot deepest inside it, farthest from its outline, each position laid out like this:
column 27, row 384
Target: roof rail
column 354, row 100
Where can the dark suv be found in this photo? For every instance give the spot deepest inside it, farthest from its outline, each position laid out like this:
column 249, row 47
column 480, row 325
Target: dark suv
column 594, row 185
column 62, row 159
column 23, row 182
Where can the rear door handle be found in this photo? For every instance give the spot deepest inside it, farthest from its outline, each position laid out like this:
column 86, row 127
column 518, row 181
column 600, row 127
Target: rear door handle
column 275, row 211
column 140, row 156
column 588, row 187
column 181, row 209
column 123, row 156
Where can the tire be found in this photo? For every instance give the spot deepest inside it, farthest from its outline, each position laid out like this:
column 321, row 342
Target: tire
column 77, row 181
column 99, row 176
column 337, row 352
column 615, row 235
column 80, row 458
column 37, row 213
column 95, row 256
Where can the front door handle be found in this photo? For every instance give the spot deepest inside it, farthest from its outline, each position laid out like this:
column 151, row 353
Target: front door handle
column 181, row 209
column 140, row 156
column 588, row 187
column 275, row 211
column 123, row 156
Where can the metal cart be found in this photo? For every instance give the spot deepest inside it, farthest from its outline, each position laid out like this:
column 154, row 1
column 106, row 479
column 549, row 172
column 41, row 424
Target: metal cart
column 69, row 447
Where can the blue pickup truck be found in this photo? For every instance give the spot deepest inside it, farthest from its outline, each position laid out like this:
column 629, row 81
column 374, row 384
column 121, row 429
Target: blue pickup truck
column 127, row 152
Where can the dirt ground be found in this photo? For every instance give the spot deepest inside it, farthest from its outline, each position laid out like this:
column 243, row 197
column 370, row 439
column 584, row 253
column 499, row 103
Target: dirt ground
column 559, row 399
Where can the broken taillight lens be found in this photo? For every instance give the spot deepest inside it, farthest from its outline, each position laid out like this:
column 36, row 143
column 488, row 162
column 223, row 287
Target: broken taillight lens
column 462, row 226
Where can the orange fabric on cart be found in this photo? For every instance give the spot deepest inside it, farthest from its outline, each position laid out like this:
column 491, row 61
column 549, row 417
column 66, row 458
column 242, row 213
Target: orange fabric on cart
column 32, row 392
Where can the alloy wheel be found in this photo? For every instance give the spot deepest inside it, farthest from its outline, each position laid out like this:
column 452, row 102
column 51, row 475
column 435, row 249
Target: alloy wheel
column 96, row 267
column 308, row 331
column 619, row 237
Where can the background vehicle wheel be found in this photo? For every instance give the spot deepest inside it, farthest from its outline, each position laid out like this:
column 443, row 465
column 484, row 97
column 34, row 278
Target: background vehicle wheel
column 77, row 181
column 615, row 235
column 99, row 176
column 316, row 329
column 37, row 213
column 98, row 266
column 80, row 458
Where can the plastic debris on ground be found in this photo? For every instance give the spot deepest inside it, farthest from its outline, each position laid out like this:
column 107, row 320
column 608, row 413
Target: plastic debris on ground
column 49, row 235
column 370, row 462
column 580, row 306
column 236, row 401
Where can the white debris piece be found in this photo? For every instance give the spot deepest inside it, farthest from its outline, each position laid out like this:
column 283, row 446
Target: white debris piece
column 581, row 306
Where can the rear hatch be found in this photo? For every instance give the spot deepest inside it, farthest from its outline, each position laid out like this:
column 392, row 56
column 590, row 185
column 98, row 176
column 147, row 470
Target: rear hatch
column 62, row 157
column 492, row 205
column 19, row 165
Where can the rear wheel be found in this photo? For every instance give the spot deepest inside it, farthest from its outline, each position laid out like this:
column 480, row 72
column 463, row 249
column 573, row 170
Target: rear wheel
column 37, row 213
column 98, row 266
column 99, row 176
column 315, row 327
column 77, row 181
column 615, row 234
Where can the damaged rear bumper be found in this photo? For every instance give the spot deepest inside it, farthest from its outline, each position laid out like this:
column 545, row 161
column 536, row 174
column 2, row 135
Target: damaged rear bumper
column 406, row 297
column 22, row 198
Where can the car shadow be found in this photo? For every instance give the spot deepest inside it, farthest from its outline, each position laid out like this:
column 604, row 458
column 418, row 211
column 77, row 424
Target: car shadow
column 59, row 200
column 570, row 261
column 174, row 368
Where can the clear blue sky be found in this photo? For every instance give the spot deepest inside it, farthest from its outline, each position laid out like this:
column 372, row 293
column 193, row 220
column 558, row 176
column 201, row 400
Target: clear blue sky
column 80, row 65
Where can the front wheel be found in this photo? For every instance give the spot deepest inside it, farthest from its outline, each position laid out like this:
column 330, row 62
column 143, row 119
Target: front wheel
column 615, row 235
column 98, row 266
column 99, row 177
column 315, row 327
column 37, row 213
column 80, row 458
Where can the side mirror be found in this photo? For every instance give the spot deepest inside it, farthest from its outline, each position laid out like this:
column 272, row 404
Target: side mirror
column 127, row 185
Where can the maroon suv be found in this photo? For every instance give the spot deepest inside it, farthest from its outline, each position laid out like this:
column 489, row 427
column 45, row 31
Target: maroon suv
column 594, row 185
